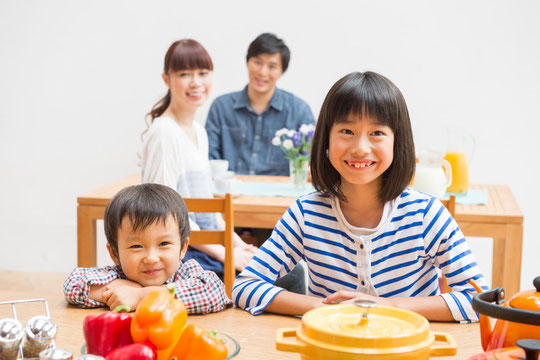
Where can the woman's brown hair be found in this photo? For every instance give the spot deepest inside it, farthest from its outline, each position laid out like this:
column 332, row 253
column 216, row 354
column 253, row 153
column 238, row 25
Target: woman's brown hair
column 361, row 94
column 184, row 54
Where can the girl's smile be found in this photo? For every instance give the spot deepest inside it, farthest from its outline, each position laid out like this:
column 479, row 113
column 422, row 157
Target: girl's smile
column 360, row 149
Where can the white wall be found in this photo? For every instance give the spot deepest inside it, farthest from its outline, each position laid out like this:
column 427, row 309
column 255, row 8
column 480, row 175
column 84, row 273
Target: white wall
column 77, row 77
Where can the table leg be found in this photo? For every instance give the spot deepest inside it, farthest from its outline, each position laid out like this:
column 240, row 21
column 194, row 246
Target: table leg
column 512, row 259
column 86, row 234
column 507, row 259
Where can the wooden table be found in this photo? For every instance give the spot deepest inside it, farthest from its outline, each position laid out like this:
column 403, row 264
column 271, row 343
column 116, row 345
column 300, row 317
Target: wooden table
column 255, row 334
column 501, row 220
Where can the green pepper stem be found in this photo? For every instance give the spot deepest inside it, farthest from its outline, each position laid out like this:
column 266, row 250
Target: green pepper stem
column 170, row 287
column 122, row 308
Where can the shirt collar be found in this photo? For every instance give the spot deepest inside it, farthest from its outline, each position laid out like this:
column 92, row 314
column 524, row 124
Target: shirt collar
column 243, row 101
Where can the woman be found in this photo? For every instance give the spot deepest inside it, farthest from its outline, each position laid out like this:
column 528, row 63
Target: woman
column 175, row 146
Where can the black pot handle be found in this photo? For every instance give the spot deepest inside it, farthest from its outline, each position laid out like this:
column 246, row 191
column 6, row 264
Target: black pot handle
column 482, row 303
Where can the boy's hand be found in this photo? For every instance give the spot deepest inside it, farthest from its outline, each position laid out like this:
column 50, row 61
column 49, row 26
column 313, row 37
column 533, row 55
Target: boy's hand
column 128, row 293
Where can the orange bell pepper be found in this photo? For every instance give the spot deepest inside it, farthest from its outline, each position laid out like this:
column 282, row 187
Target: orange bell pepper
column 159, row 319
column 196, row 343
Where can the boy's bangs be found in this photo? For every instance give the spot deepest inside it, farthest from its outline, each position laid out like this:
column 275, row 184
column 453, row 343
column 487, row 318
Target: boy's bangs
column 365, row 98
column 141, row 215
column 190, row 58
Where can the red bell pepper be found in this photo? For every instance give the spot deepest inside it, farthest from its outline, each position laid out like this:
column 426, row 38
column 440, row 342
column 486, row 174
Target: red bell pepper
column 105, row 332
column 140, row 351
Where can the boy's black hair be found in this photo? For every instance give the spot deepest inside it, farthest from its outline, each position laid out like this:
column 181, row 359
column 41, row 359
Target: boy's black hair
column 361, row 94
column 268, row 43
column 144, row 205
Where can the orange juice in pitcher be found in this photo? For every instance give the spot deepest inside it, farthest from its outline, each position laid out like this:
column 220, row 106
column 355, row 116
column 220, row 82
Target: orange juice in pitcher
column 460, row 172
column 461, row 145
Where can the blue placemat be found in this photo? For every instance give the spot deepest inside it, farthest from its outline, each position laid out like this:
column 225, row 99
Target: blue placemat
column 286, row 189
column 473, row 197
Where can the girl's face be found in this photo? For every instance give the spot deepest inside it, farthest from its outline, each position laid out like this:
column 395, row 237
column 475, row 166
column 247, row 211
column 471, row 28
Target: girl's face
column 189, row 88
column 360, row 149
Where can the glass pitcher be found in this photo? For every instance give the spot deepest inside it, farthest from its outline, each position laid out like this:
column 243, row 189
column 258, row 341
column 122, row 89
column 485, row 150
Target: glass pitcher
column 461, row 146
column 433, row 174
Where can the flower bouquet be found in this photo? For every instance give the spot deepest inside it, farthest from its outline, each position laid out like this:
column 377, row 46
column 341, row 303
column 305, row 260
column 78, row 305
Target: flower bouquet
column 296, row 144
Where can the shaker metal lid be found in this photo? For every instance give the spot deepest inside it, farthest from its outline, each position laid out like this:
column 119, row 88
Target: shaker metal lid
column 387, row 329
column 11, row 330
column 55, row 354
column 41, row 327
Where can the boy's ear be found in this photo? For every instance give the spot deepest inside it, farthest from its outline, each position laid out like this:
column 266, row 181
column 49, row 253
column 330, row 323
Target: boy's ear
column 113, row 257
column 184, row 249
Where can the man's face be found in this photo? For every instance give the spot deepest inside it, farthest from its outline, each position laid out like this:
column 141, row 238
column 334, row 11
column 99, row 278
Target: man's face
column 264, row 70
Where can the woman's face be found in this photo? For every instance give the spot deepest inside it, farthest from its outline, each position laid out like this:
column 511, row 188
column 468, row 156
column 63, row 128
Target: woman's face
column 189, row 88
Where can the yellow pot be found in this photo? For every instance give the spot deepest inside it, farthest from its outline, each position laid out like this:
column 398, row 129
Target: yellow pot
column 344, row 332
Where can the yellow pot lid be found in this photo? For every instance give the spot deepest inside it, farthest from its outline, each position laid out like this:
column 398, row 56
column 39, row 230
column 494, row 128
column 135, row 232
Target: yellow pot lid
column 386, row 329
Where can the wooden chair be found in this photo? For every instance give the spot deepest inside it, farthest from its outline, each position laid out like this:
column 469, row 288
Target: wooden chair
column 450, row 205
column 220, row 237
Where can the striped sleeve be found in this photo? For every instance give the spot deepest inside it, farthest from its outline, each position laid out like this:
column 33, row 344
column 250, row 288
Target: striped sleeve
column 253, row 289
column 446, row 244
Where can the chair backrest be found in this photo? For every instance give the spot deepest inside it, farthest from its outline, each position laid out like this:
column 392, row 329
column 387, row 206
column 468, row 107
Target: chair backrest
column 221, row 237
column 450, row 205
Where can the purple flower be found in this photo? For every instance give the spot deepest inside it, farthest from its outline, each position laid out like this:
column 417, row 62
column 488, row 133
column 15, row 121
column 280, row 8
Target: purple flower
column 297, row 139
column 310, row 133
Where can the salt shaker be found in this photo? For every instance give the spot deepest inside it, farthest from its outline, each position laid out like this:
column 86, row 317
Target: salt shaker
column 11, row 334
column 40, row 333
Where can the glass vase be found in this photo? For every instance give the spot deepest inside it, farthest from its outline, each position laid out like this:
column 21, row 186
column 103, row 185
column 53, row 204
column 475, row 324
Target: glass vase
column 298, row 171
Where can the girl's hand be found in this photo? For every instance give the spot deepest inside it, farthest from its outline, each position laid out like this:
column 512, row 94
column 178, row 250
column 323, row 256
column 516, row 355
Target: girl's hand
column 242, row 255
column 348, row 297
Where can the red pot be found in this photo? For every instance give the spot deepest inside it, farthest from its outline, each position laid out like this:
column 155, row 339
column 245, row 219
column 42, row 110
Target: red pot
column 518, row 318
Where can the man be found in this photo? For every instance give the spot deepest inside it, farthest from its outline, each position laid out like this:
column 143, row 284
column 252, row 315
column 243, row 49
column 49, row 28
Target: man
column 241, row 125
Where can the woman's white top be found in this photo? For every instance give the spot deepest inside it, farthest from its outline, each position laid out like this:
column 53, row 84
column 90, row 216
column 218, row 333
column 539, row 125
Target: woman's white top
column 170, row 157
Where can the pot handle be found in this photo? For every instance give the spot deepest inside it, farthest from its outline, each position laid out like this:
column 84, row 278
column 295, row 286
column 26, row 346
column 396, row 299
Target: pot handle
column 288, row 345
column 447, row 349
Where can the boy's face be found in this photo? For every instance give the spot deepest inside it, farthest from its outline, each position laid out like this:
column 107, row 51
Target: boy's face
column 264, row 70
column 150, row 256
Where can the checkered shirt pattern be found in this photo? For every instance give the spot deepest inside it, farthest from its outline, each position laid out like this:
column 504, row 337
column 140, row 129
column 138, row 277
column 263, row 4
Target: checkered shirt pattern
column 201, row 291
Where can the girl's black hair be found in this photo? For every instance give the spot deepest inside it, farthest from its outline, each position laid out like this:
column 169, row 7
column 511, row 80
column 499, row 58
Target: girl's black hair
column 360, row 94
column 184, row 54
column 145, row 205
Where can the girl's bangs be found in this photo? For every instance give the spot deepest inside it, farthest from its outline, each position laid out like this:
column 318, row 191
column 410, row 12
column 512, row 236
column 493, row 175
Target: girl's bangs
column 365, row 98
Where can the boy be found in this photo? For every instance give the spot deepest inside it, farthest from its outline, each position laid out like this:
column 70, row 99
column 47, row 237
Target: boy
column 147, row 231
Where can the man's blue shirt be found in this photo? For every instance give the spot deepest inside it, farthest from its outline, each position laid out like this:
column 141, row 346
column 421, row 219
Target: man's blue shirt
column 238, row 134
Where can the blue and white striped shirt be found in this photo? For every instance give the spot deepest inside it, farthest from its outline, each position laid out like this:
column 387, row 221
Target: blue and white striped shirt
column 401, row 258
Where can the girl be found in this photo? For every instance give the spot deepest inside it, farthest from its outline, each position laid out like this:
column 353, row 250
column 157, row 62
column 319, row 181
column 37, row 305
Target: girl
column 363, row 233
column 175, row 147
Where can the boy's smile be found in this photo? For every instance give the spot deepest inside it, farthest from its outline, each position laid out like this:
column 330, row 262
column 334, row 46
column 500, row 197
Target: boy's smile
column 149, row 256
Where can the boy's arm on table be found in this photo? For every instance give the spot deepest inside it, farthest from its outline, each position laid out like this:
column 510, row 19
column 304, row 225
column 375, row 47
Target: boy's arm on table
column 85, row 286
column 200, row 290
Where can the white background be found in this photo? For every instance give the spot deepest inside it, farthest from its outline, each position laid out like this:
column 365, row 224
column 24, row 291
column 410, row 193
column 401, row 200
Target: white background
column 77, row 78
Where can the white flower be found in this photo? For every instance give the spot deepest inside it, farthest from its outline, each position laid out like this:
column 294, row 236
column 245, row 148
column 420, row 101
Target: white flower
column 304, row 129
column 276, row 141
column 291, row 133
column 281, row 132
column 287, row 144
